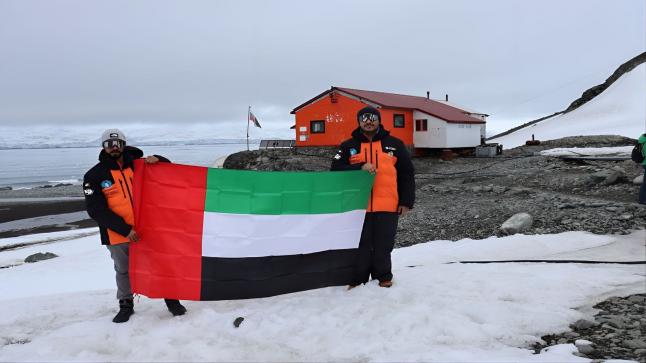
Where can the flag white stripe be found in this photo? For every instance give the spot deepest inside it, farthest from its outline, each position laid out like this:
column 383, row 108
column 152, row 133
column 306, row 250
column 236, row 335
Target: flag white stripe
column 253, row 235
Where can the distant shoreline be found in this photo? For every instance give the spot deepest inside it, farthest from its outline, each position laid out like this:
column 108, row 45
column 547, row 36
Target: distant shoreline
column 46, row 168
column 33, row 210
column 170, row 143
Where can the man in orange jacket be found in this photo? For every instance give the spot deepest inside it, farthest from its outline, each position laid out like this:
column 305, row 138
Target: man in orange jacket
column 371, row 148
column 108, row 200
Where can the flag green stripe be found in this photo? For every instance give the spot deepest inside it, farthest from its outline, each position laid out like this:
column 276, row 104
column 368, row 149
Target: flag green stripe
column 267, row 192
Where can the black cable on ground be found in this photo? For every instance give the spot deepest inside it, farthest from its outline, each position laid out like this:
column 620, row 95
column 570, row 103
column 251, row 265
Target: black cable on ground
column 483, row 168
column 559, row 261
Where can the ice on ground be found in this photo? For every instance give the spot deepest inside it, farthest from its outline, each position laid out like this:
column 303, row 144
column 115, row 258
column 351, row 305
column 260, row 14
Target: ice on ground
column 61, row 308
column 589, row 151
column 49, row 220
column 48, row 237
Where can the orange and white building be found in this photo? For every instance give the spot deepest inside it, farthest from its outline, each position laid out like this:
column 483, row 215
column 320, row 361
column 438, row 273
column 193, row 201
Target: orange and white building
column 330, row 117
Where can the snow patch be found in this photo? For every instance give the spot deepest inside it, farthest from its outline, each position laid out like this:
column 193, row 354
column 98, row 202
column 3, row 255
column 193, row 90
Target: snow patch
column 62, row 308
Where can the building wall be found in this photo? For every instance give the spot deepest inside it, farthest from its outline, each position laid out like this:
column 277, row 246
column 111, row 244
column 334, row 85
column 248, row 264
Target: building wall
column 441, row 134
column 463, row 135
column 434, row 137
column 483, row 127
column 341, row 119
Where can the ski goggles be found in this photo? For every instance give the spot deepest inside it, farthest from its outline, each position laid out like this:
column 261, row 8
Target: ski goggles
column 109, row 144
column 369, row 117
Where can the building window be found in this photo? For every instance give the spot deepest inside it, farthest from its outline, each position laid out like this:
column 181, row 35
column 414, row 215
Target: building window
column 317, row 127
column 421, row 125
column 398, row 120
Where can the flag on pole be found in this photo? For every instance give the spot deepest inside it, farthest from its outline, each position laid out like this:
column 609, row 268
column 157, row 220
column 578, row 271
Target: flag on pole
column 219, row 234
column 254, row 119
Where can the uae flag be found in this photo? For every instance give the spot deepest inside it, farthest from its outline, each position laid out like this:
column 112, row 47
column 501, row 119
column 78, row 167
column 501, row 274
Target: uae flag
column 254, row 119
column 219, row 234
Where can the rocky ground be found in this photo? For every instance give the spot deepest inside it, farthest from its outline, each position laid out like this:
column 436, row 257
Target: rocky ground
column 472, row 197
column 617, row 332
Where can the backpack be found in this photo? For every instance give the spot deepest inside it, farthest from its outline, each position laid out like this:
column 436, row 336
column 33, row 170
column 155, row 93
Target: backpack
column 637, row 154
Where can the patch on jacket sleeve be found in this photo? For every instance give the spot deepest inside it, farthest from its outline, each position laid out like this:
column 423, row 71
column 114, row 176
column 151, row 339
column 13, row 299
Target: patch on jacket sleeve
column 88, row 191
column 337, row 157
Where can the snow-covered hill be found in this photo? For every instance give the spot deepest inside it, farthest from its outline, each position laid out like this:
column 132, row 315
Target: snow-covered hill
column 619, row 110
column 61, row 309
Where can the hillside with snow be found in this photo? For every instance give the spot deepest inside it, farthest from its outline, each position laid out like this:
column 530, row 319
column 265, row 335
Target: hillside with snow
column 619, row 110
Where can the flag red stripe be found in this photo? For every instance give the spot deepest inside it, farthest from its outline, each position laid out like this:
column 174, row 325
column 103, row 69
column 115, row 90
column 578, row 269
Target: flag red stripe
column 173, row 195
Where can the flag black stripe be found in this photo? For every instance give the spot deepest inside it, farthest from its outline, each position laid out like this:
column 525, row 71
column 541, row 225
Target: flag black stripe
column 244, row 278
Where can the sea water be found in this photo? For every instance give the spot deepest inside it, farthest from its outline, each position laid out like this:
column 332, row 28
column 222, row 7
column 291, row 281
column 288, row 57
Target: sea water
column 27, row 168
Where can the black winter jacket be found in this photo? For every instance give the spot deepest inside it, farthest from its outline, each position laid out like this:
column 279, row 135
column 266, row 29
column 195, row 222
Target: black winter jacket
column 100, row 178
column 389, row 145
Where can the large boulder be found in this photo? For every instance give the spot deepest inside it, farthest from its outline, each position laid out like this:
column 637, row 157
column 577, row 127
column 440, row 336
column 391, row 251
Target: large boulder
column 519, row 222
column 40, row 257
column 295, row 159
column 584, row 346
column 607, row 177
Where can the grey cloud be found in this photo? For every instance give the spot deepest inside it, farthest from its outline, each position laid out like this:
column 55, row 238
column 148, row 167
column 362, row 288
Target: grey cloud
column 93, row 62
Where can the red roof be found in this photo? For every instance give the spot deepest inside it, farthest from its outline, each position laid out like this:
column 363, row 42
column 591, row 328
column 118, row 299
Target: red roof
column 393, row 100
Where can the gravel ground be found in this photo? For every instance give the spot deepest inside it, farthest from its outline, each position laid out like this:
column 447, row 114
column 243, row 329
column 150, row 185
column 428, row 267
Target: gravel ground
column 471, row 197
column 617, row 332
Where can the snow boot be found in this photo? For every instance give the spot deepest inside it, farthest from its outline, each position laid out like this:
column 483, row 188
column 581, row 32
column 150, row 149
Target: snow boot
column 175, row 307
column 126, row 308
column 386, row 283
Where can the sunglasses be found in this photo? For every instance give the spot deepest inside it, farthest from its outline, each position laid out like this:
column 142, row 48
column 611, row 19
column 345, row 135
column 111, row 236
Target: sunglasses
column 369, row 117
column 109, row 144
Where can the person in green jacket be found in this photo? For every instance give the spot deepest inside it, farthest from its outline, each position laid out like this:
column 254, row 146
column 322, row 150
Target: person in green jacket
column 642, row 189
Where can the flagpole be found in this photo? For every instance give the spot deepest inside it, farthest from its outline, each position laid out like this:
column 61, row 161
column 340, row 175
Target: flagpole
column 248, row 116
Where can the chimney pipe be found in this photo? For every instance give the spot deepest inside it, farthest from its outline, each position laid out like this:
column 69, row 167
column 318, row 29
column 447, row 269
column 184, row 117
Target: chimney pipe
column 428, row 95
column 447, row 97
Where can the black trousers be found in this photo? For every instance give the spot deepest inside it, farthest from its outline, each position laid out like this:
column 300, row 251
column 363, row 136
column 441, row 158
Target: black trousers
column 377, row 242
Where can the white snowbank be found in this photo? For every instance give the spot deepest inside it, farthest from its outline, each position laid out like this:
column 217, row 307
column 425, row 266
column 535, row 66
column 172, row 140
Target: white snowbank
column 61, row 308
column 589, row 151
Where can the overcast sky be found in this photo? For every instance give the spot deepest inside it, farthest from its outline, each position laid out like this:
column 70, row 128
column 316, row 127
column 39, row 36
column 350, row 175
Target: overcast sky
column 102, row 62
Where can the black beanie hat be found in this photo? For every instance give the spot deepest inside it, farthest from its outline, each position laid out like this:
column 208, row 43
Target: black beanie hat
column 368, row 109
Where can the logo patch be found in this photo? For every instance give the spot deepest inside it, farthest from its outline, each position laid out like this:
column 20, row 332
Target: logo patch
column 353, row 151
column 88, row 191
column 390, row 148
column 106, row 184
column 337, row 156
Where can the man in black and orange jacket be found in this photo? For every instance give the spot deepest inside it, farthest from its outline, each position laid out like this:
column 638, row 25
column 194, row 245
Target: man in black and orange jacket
column 108, row 200
column 371, row 148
